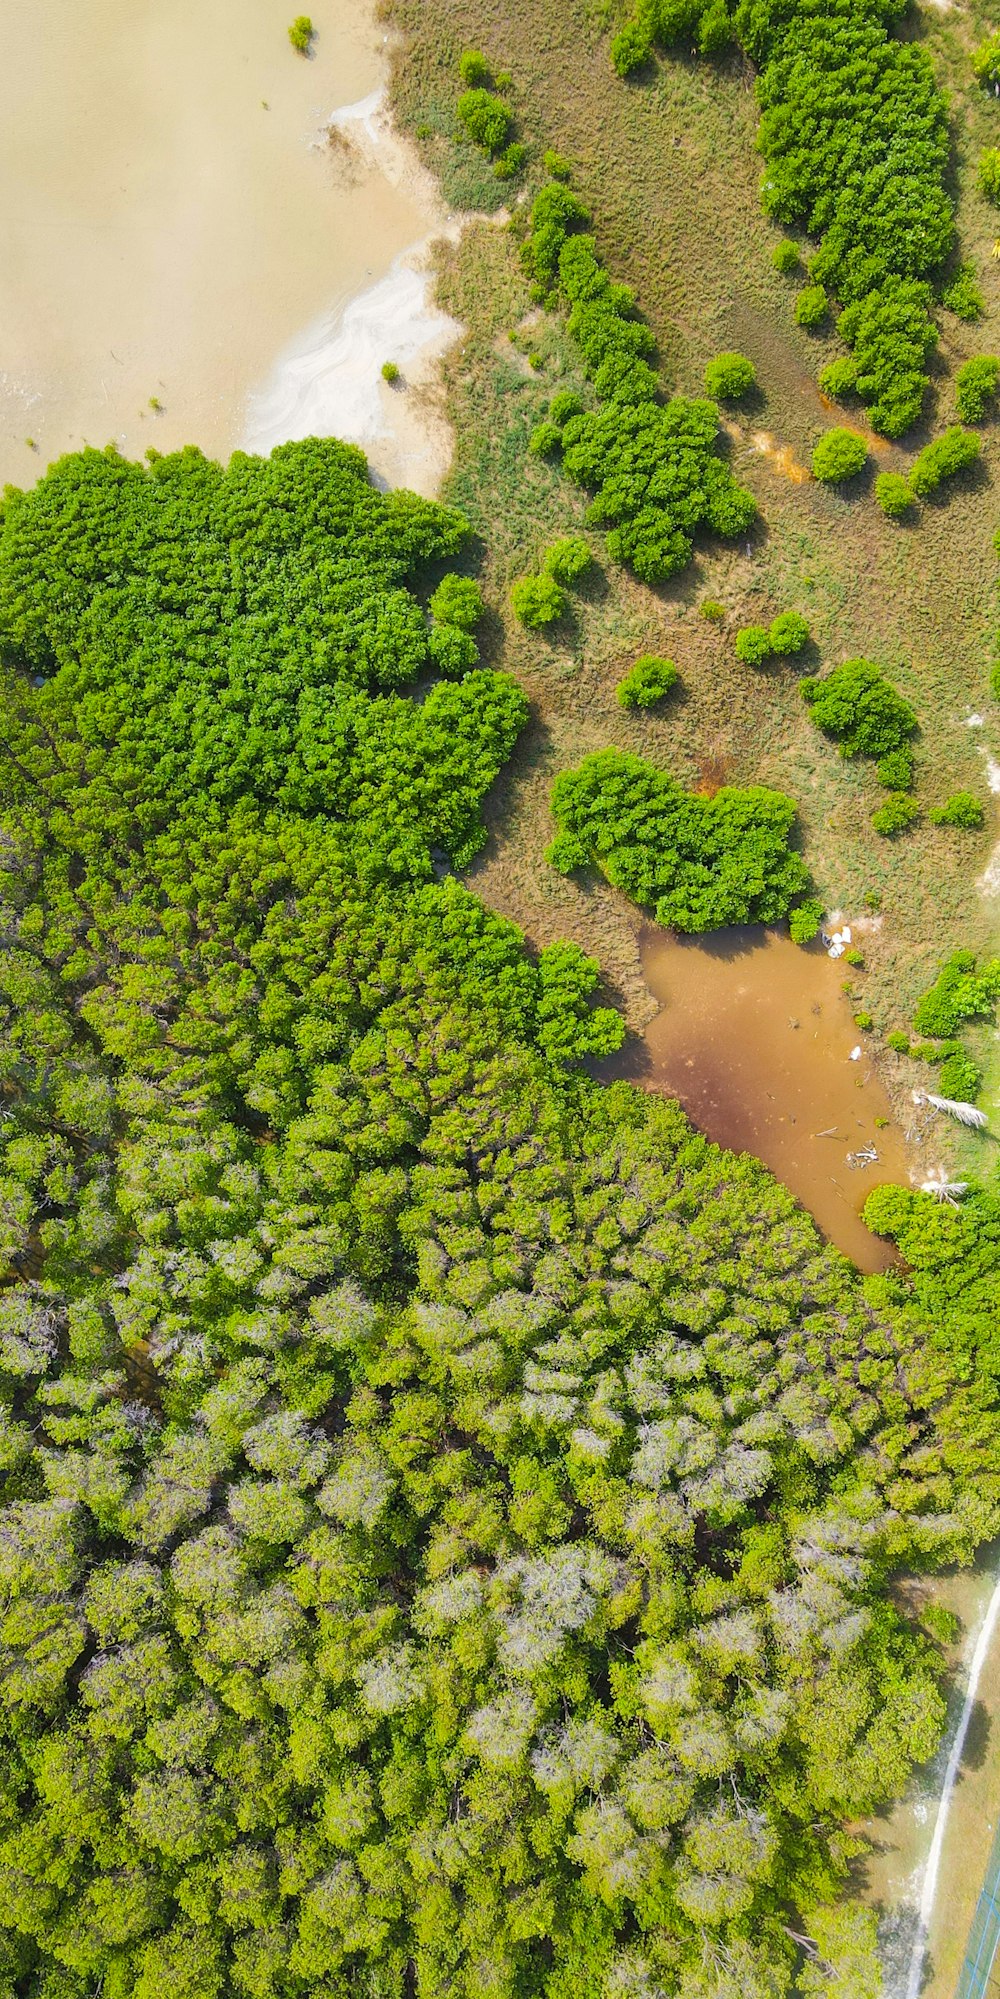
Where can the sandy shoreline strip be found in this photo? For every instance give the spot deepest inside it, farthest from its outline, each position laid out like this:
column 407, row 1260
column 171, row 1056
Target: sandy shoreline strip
column 328, row 380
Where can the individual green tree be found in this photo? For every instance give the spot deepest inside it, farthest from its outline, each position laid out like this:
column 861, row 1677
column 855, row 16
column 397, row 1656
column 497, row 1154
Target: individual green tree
column 986, row 60
column 390, row 372
column 568, row 559
column 963, row 294
column 538, row 600
column 647, row 681
column 785, row 256
column 840, row 454
column 301, row 34
column 988, row 173
column 729, row 377
column 860, row 708
column 457, row 601
column 631, row 47
column 474, row 69
column 487, row 119
column 788, row 634
column 753, row 644
column 976, row 385
column 839, row 377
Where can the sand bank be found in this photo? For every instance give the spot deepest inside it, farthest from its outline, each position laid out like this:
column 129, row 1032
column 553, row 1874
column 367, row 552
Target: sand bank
column 328, row 381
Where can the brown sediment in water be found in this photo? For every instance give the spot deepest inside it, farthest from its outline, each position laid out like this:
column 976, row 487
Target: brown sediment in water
column 754, row 1037
column 175, row 215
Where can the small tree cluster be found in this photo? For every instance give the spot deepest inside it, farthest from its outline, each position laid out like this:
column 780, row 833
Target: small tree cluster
column 976, row 385
column 786, row 635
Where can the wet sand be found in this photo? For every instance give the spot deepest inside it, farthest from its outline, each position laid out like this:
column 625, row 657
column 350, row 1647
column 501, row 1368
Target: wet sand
column 754, row 1037
column 175, row 218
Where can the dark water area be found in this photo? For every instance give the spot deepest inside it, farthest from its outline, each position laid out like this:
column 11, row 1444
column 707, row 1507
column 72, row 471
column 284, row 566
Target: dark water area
column 754, row 1038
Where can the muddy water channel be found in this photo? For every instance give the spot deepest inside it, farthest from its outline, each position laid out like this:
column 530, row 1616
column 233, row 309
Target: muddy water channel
column 754, row 1037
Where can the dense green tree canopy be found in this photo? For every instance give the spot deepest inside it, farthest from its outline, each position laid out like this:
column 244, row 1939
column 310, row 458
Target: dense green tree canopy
column 446, row 1503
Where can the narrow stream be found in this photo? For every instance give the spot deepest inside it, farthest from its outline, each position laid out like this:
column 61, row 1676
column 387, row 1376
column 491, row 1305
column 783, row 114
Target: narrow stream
column 754, row 1037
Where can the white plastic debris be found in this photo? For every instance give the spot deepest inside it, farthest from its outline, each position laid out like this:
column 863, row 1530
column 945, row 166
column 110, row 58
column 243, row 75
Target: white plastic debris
column 855, row 1055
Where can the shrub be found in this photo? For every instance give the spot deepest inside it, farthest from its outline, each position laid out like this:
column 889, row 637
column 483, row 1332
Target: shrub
column 959, row 993
column 988, row 173
column 486, row 118
column 647, row 681
column 895, row 815
column 697, row 862
column 568, row 559
column 963, row 808
column 963, row 296
column 510, row 162
column 556, row 165
column 954, row 451
column 631, row 47
column 839, row 377
column 960, row 1077
column 864, row 1020
column 545, row 439
column 986, row 60
column 898, row 1041
column 538, row 600
column 452, row 650
column 976, row 384
column 840, row 454
column 301, row 33
column 753, row 644
column 811, row 306
column 712, row 610
column 860, row 709
column 564, row 405
column 788, row 634
column 390, row 372
column 457, row 601
column 785, row 256
column 473, row 69
column 893, row 337
column 895, row 771
column 806, row 921
column 728, row 377
column 894, row 494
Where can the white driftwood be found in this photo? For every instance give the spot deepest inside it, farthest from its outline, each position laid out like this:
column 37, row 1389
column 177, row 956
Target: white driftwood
column 965, row 1113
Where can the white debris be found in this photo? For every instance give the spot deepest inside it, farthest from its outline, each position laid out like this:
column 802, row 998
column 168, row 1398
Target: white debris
column 855, row 1056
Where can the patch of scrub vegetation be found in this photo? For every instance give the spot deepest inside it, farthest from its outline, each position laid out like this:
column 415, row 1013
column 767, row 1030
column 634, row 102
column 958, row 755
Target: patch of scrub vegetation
column 302, row 34
column 681, row 223
column 401, row 1430
column 698, row 863
column 647, row 681
column 854, row 134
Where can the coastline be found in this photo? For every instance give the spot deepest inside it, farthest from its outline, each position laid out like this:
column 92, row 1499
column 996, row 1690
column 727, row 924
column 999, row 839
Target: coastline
column 327, row 381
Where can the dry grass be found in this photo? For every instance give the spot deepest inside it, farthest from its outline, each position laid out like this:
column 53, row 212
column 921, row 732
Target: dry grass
column 672, row 176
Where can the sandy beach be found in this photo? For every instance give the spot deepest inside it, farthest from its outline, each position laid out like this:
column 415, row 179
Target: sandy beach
column 215, row 240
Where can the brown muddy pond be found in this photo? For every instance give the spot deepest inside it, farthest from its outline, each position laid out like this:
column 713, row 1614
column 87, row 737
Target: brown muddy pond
column 754, row 1038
